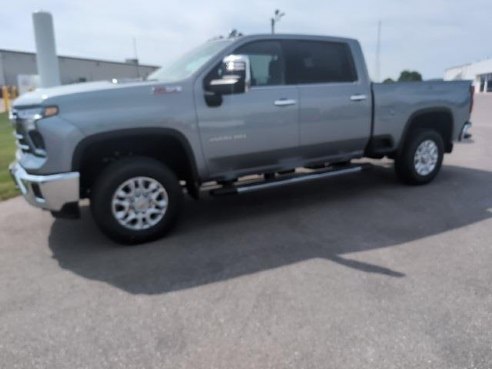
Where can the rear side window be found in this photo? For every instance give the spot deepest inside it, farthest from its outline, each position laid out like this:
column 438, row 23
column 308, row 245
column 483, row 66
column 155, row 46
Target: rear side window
column 318, row 62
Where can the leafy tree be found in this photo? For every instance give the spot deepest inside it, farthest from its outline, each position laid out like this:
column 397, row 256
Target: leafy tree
column 409, row 75
column 389, row 80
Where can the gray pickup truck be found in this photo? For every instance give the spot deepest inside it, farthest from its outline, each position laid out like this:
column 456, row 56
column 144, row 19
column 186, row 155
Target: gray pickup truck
column 231, row 116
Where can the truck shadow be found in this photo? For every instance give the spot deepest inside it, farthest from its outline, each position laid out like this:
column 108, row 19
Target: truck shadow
column 224, row 238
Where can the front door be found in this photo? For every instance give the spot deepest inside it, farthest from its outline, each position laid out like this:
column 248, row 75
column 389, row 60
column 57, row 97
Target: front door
column 253, row 130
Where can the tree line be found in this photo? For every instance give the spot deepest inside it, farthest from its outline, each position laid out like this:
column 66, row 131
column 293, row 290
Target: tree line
column 406, row 76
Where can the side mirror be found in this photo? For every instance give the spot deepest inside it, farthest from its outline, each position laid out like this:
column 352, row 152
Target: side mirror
column 236, row 78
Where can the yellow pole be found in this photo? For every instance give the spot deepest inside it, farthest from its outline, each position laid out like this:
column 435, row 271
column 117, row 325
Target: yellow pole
column 6, row 98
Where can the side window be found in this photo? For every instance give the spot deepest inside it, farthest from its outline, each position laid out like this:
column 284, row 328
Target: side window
column 267, row 62
column 318, row 62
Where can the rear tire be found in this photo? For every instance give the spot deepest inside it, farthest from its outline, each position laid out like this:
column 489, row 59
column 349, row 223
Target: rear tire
column 421, row 158
column 136, row 200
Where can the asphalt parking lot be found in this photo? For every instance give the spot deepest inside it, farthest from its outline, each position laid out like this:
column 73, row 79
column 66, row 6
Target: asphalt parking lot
column 352, row 272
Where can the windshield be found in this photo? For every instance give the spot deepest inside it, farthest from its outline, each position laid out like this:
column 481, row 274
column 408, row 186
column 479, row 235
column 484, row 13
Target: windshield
column 190, row 62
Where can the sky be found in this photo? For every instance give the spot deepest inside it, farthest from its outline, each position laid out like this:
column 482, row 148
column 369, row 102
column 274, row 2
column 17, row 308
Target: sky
column 424, row 35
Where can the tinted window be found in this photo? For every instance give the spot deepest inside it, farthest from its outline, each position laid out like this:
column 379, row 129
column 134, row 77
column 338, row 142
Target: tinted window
column 267, row 62
column 318, row 62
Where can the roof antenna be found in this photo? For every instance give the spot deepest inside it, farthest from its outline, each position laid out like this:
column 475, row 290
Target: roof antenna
column 234, row 33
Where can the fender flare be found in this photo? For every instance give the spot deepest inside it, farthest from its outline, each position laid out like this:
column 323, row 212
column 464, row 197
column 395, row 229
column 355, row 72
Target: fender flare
column 419, row 112
column 86, row 142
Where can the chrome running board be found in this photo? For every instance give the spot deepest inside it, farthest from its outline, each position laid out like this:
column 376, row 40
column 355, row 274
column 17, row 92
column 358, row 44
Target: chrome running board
column 287, row 180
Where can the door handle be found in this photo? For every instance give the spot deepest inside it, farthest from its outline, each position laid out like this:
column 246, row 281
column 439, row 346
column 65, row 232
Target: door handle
column 358, row 97
column 285, row 102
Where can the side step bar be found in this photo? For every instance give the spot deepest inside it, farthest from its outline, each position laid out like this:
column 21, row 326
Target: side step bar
column 287, row 180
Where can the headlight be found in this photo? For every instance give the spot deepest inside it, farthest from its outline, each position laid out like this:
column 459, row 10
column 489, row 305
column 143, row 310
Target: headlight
column 30, row 116
column 35, row 113
column 50, row 111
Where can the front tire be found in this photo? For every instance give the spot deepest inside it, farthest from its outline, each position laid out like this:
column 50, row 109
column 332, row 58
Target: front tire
column 421, row 158
column 136, row 200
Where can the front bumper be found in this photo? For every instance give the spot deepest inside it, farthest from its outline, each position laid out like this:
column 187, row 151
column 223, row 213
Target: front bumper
column 50, row 192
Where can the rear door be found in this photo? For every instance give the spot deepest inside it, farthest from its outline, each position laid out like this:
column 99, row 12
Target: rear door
column 334, row 101
column 256, row 129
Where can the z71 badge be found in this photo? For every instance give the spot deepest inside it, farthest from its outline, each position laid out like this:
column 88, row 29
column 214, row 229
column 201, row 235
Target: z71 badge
column 162, row 90
column 240, row 136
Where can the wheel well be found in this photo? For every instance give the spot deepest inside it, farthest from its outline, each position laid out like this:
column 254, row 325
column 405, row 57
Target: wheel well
column 440, row 121
column 94, row 154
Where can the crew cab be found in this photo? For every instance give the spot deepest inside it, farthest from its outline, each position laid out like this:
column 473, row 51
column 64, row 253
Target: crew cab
column 232, row 116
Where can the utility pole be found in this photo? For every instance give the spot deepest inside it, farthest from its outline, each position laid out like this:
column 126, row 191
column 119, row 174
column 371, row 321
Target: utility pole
column 135, row 53
column 276, row 18
column 46, row 58
column 378, row 55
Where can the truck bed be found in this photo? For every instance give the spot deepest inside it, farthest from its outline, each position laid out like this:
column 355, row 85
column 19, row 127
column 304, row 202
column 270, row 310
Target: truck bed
column 396, row 103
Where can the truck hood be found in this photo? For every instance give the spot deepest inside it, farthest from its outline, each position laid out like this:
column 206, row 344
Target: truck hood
column 50, row 95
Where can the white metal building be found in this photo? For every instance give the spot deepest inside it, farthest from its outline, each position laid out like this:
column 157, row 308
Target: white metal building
column 480, row 73
column 72, row 70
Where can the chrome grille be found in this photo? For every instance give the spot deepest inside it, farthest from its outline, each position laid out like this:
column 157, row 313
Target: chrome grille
column 21, row 143
column 21, row 134
column 20, row 138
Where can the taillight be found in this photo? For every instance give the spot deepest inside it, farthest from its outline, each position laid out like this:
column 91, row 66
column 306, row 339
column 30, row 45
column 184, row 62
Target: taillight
column 472, row 96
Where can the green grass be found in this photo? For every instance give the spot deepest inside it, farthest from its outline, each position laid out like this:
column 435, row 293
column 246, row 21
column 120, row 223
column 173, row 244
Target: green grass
column 7, row 154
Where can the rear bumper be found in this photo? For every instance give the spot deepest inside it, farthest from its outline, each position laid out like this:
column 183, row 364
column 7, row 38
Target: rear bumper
column 50, row 192
column 465, row 134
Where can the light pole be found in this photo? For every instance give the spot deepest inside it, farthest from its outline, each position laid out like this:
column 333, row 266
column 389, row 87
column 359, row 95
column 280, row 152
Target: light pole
column 276, row 19
column 378, row 55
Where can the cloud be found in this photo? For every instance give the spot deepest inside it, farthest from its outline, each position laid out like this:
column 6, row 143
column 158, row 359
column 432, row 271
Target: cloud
column 428, row 36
